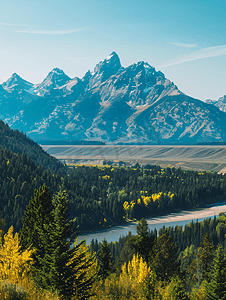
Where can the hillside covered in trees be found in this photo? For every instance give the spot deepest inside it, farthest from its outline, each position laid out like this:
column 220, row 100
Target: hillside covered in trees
column 19, row 143
column 46, row 204
column 41, row 264
column 102, row 197
column 173, row 263
column 99, row 197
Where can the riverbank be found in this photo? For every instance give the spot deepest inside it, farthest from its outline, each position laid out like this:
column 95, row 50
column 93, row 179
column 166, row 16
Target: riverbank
column 184, row 215
column 181, row 218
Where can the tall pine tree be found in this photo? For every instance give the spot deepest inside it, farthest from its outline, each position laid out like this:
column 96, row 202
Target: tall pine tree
column 34, row 233
column 206, row 257
column 105, row 260
column 164, row 260
column 59, row 266
column 216, row 288
column 143, row 242
column 68, row 264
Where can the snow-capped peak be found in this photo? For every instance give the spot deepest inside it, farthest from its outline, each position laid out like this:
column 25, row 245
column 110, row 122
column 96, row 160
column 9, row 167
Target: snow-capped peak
column 111, row 61
column 113, row 54
column 55, row 79
column 57, row 71
column 15, row 82
column 57, row 75
column 105, row 69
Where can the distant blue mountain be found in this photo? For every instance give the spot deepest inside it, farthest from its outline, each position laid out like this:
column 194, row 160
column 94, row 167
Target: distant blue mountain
column 136, row 104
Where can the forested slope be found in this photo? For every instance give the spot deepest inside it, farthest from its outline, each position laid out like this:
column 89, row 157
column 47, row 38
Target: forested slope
column 99, row 197
column 109, row 195
column 18, row 142
column 176, row 263
column 19, row 176
column 102, row 197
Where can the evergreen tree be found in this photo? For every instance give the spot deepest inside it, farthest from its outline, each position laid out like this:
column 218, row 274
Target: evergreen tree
column 216, row 288
column 85, row 269
column 67, row 265
column 164, row 260
column 105, row 259
column 142, row 242
column 207, row 257
column 58, row 265
column 58, row 259
column 175, row 290
column 34, row 233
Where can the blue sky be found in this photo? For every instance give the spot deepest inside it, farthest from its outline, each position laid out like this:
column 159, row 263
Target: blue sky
column 186, row 40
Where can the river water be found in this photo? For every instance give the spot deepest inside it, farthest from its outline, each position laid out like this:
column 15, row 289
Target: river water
column 181, row 219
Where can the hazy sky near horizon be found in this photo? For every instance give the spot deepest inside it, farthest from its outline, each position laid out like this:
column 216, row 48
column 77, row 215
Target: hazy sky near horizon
column 186, row 40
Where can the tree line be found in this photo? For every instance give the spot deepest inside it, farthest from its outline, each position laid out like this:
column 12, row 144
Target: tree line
column 101, row 197
column 44, row 261
column 110, row 195
column 197, row 272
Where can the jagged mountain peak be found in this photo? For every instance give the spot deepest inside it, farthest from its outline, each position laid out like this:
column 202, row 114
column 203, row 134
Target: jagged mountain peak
column 15, row 75
column 105, row 69
column 57, row 76
column 113, row 55
column 149, row 70
column 113, row 103
column 15, row 82
column 55, row 79
column 221, row 103
column 222, row 99
column 110, row 62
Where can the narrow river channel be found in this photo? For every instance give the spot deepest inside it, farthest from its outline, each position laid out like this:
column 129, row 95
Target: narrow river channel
column 181, row 219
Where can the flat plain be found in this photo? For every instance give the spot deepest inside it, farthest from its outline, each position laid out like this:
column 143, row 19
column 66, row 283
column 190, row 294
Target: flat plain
column 193, row 157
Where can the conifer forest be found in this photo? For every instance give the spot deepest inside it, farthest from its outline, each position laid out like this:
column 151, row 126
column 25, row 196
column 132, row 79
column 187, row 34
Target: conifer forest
column 45, row 205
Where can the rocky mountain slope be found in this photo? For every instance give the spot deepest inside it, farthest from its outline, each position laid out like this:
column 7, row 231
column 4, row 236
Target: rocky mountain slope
column 220, row 103
column 115, row 104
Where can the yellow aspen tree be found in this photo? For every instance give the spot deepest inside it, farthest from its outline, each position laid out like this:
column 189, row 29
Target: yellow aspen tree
column 14, row 263
column 140, row 277
column 137, row 271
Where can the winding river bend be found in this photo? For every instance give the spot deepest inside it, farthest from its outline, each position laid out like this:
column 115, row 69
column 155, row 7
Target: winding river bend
column 181, row 219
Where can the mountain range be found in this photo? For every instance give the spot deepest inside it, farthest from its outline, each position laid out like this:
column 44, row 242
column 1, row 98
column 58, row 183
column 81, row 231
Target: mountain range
column 112, row 104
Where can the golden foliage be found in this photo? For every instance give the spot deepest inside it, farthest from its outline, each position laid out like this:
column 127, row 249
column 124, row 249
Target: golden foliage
column 156, row 196
column 126, row 205
column 16, row 280
column 137, row 271
column 14, row 263
column 198, row 293
column 139, row 279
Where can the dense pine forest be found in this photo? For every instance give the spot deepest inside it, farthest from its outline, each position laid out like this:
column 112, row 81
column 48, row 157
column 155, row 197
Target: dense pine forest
column 19, row 143
column 99, row 197
column 44, row 205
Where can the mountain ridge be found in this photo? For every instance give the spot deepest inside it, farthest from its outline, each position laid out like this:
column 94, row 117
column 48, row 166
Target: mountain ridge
column 111, row 104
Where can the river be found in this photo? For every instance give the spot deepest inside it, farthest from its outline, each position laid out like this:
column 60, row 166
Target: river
column 182, row 218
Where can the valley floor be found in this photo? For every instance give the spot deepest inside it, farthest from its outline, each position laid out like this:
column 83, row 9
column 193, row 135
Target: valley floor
column 193, row 157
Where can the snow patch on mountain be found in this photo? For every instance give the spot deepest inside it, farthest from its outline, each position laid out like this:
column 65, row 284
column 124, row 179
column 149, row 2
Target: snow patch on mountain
column 16, row 84
column 54, row 80
column 111, row 104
